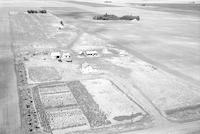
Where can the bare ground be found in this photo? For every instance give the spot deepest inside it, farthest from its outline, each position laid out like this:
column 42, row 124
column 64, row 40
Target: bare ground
column 9, row 106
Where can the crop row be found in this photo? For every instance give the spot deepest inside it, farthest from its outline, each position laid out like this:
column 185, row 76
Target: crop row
column 54, row 89
column 57, row 100
column 89, row 107
column 40, row 109
column 66, row 119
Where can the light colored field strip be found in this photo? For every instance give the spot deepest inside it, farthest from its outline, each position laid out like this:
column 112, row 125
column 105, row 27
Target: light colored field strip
column 68, row 117
column 58, row 99
column 110, row 100
column 53, row 89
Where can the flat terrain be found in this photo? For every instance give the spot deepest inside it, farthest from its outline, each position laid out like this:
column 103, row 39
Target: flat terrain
column 184, row 9
column 160, row 30
column 149, row 68
column 9, row 108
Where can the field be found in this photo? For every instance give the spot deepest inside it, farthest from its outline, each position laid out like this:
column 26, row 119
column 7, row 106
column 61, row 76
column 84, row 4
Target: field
column 53, row 89
column 107, row 95
column 182, row 113
column 168, row 92
column 189, row 9
column 42, row 68
column 70, row 107
column 64, row 119
column 90, row 108
column 89, row 42
column 57, row 100
column 41, row 74
column 58, row 109
column 168, row 77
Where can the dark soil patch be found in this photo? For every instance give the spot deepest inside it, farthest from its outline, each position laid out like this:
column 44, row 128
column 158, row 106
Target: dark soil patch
column 28, row 113
column 75, row 15
column 89, row 107
column 183, row 114
column 20, row 72
column 39, row 107
column 127, row 117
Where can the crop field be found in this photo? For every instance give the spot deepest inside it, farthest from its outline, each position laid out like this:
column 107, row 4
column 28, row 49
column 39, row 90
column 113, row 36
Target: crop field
column 53, row 89
column 54, row 96
column 110, row 112
column 71, row 107
column 89, row 107
column 29, row 117
column 53, row 99
column 42, row 74
column 107, row 95
column 57, row 100
column 66, row 119
column 58, row 107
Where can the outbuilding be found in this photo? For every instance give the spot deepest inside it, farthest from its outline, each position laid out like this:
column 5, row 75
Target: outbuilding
column 89, row 53
column 66, row 57
column 56, row 55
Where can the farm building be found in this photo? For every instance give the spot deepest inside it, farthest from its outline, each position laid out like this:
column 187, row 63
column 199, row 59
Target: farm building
column 56, row 55
column 89, row 53
column 66, row 57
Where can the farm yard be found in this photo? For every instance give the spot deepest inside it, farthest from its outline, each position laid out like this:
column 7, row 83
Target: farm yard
column 81, row 75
